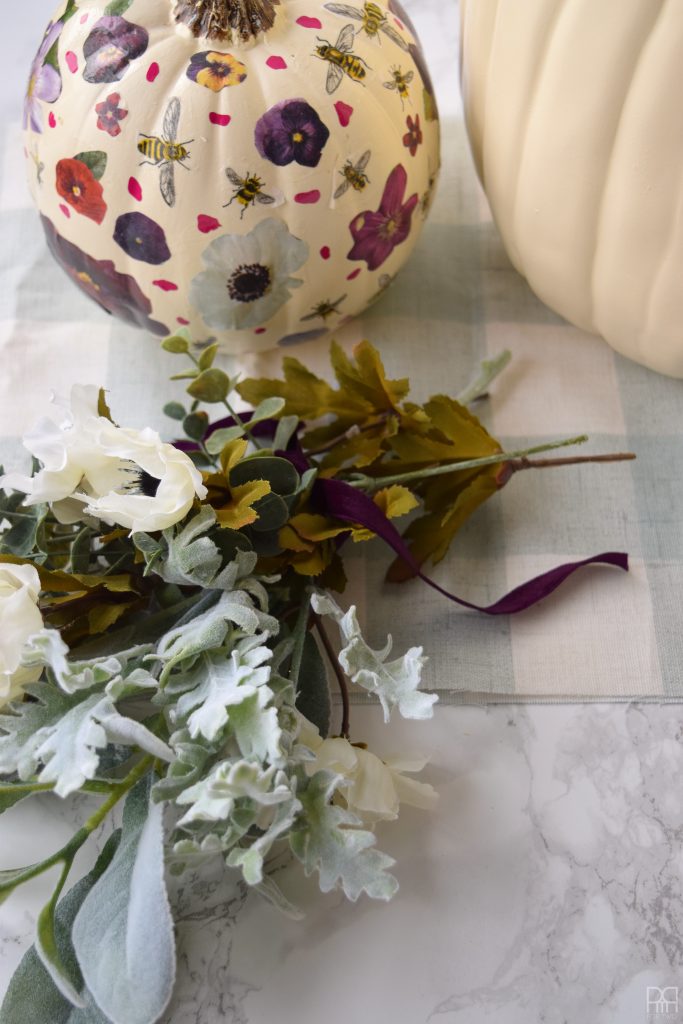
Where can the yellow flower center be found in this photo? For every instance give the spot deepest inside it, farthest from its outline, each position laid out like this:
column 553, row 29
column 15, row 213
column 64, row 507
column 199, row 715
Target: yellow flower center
column 87, row 280
column 76, row 191
column 297, row 137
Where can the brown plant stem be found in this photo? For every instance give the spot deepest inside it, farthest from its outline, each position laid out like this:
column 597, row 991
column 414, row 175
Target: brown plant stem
column 515, row 465
column 227, row 20
column 337, row 669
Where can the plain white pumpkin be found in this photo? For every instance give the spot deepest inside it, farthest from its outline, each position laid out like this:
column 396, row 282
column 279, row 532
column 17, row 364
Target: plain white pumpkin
column 573, row 112
column 258, row 190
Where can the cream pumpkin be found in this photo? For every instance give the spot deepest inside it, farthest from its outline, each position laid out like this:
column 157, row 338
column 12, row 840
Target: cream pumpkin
column 256, row 172
column 573, row 114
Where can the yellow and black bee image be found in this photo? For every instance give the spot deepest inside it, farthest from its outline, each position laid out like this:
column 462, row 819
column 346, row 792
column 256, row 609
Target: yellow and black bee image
column 354, row 175
column 165, row 152
column 324, row 310
column 341, row 60
column 248, row 190
column 400, row 80
column 374, row 21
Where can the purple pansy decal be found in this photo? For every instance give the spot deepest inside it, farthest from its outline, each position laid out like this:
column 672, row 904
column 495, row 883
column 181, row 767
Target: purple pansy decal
column 291, row 132
column 44, row 81
column 110, row 47
column 141, row 238
column 377, row 233
column 110, row 115
column 118, row 294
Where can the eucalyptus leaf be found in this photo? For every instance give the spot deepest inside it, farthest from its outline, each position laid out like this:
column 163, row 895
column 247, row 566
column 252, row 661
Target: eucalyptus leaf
column 195, row 425
column 8, row 798
column 217, row 441
column 207, row 357
column 123, row 934
column 286, row 428
column 32, row 995
column 210, row 386
column 281, row 474
column 175, row 411
column 267, row 409
column 176, row 344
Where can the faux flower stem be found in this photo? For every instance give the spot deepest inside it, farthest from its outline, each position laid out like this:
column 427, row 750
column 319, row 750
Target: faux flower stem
column 367, row 483
column 337, row 669
column 227, row 20
column 235, row 416
column 490, row 369
column 68, row 853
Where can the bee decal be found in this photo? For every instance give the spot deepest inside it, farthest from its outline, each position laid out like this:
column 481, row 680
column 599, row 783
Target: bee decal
column 373, row 19
column 341, row 60
column 354, row 175
column 399, row 83
column 249, row 191
column 324, row 310
column 166, row 152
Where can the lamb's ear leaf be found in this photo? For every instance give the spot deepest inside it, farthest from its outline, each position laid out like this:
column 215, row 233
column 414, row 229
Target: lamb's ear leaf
column 32, row 995
column 125, row 928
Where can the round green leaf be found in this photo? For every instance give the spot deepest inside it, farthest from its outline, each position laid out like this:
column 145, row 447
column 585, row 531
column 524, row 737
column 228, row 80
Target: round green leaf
column 280, row 474
column 175, row 411
column 195, row 425
column 210, row 386
column 176, row 344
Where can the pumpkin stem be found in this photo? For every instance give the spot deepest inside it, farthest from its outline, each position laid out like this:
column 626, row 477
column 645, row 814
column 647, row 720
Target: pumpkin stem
column 227, row 20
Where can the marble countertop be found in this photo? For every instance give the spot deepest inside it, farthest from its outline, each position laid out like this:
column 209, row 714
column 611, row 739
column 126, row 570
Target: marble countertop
column 547, row 887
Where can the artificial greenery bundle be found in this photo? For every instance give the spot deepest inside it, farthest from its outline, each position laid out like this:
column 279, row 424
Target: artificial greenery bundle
column 163, row 644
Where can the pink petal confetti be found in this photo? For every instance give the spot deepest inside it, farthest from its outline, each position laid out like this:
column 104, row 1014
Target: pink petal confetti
column 152, row 72
column 309, row 22
column 135, row 189
column 84, row 18
column 344, row 113
column 181, row 320
column 166, row 286
column 325, row 252
column 71, row 61
column 277, row 63
column 52, row 120
column 65, row 210
column 206, row 224
column 223, row 120
column 260, row 330
column 308, row 198
column 354, row 274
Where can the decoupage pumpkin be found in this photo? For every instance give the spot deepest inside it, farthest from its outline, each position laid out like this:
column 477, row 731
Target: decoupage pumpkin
column 573, row 114
column 257, row 171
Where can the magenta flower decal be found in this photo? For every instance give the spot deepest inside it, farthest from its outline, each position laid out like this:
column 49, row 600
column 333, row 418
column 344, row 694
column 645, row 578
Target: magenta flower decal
column 44, row 81
column 377, row 233
column 110, row 115
column 291, row 132
column 118, row 294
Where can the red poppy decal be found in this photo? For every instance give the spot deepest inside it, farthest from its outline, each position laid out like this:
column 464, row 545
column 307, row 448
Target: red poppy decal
column 78, row 187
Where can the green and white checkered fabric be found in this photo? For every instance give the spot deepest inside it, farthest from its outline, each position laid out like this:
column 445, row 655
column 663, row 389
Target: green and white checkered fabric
column 604, row 635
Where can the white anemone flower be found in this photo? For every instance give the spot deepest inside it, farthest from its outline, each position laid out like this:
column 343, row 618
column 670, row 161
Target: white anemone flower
column 374, row 788
column 20, row 618
column 91, row 467
column 248, row 277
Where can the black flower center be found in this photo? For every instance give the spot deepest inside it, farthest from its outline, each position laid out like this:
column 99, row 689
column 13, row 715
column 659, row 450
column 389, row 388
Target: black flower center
column 249, row 282
column 149, row 485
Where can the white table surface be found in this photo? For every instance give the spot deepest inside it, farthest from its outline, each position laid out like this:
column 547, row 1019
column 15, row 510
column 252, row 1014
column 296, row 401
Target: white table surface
column 548, row 887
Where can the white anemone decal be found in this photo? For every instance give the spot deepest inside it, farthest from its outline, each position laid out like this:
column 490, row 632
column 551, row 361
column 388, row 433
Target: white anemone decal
column 248, row 276
column 91, row 467
column 20, row 618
